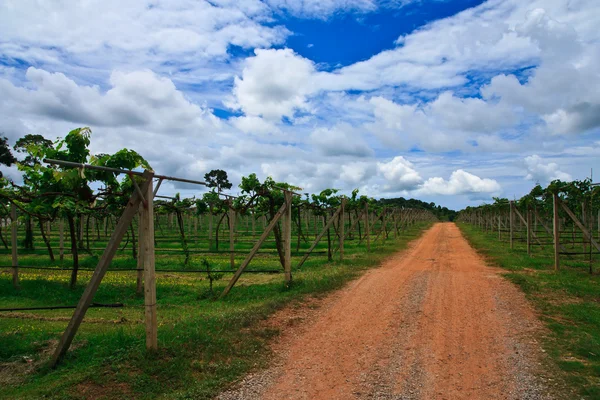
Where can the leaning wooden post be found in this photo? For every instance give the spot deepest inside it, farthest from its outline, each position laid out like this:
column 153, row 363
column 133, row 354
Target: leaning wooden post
column 287, row 229
column 231, row 212
column 111, row 248
column 511, row 219
column 341, row 228
column 147, row 254
column 556, row 231
column 367, row 227
column 13, row 243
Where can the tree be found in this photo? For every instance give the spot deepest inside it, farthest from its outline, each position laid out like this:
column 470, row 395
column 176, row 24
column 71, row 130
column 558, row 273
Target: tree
column 6, row 157
column 217, row 178
column 31, row 141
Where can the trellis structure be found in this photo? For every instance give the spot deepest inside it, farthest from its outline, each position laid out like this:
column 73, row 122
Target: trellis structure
column 549, row 223
column 340, row 221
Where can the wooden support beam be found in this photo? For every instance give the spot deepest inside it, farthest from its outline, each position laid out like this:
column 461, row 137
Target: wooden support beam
column 13, row 243
column 61, row 240
column 139, row 287
column 254, row 250
column 556, row 231
column 287, row 240
column 147, row 254
column 319, row 236
column 367, row 228
column 511, row 221
column 231, row 218
column 88, row 295
column 529, row 230
column 342, row 224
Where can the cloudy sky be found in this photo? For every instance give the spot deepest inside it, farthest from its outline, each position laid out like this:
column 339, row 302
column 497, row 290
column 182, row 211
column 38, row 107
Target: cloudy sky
column 446, row 101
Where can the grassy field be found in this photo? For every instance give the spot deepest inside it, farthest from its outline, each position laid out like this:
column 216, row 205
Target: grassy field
column 568, row 302
column 204, row 344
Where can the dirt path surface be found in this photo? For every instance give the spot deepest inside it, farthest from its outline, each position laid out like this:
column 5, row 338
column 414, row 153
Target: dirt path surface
column 434, row 322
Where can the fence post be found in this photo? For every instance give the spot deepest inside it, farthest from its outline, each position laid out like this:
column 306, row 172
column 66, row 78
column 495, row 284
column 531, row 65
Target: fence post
column 231, row 212
column 13, row 242
column 141, row 253
column 510, row 223
column 342, row 220
column 367, row 227
column 147, row 254
column 287, row 229
column 528, row 230
column 556, row 232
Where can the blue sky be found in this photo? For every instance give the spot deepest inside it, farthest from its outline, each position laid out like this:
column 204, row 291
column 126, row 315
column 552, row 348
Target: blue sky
column 448, row 101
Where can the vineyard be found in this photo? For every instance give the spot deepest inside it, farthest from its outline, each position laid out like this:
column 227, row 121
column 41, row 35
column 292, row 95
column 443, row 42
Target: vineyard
column 563, row 218
column 170, row 287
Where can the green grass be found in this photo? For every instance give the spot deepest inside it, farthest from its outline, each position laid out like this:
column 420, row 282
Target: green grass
column 204, row 345
column 568, row 302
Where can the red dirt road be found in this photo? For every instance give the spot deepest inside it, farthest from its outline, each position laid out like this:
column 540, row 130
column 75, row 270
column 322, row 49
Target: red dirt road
column 434, row 322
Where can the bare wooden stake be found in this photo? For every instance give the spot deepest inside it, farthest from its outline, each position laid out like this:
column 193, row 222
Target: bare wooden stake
column 341, row 228
column 231, row 237
column 367, row 227
column 147, row 253
column 529, row 230
column 556, row 232
column 287, row 229
column 511, row 222
column 61, row 236
column 142, row 229
column 13, row 243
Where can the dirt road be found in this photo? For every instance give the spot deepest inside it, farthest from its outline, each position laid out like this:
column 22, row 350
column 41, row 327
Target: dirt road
column 432, row 323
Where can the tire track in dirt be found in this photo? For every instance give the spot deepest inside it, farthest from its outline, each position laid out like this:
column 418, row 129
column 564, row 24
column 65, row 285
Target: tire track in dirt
column 433, row 322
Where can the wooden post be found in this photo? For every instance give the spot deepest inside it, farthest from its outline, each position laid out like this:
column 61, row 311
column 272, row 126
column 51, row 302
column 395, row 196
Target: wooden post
column 210, row 229
column 556, row 232
column 13, row 243
column 147, row 254
column 142, row 230
column 61, row 238
column 367, row 227
column 287, row 241
column 231, row 236
column 341, row 228
column 528, row 230
column 499, row 228
column 111, row 248
column 511, row 220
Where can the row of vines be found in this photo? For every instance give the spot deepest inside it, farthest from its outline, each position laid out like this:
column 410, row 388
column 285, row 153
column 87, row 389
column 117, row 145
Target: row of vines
column 561, row 221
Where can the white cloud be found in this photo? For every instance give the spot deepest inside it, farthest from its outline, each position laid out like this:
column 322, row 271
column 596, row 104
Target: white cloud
column 342, row 139
column 539, row 172
column 356, row 173
column 460, row 182
column 274, row 84
column 136, row 99
column 399, row 175
column 255, row 125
